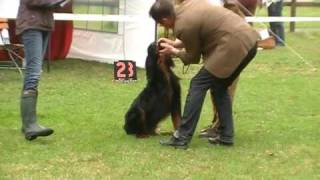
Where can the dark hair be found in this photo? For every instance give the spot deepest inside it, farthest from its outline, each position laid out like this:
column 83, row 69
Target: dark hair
column 162, row 9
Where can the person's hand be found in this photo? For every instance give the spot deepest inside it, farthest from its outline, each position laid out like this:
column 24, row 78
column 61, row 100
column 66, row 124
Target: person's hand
column 164, row 50
column 167, row 49
column 166, row 40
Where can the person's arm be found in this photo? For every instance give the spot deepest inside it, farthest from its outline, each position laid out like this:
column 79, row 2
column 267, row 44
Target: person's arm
column 168, row 49
column 44, row 3
column 189, row 54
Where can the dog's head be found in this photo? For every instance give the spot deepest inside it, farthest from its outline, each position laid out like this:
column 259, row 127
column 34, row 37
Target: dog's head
column 153, row 56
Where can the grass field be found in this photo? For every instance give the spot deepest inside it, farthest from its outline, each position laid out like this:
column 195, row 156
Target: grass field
column 276, row 111
column 276, row 118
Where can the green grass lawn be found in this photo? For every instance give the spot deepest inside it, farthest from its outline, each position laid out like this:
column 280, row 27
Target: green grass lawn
column 301, row 12
column 276, row 112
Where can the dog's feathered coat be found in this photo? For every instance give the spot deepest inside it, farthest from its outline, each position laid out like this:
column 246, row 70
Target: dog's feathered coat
column 158, row 99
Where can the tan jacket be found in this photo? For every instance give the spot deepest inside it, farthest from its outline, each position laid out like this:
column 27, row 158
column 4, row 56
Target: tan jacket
column 220, row 36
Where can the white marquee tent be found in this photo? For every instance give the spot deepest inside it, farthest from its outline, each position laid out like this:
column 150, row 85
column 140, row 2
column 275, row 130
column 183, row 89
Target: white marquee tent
column 128, row 43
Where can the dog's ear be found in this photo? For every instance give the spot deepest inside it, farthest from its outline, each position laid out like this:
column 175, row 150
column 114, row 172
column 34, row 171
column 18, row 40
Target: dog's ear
column 151, row 61
column 152, row 49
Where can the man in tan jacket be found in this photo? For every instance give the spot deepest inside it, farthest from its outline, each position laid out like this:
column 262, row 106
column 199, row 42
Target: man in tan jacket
column 242, row 8
column 226, row 44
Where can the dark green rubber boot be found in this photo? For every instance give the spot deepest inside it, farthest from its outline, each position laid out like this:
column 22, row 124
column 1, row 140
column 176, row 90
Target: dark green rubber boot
column 28, row 106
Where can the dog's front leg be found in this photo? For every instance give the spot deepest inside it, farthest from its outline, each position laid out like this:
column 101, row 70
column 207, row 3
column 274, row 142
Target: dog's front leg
column 176, row 119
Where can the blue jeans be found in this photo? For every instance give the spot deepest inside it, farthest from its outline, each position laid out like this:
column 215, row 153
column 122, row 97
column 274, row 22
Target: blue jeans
column 35, row 44
column 275, row 9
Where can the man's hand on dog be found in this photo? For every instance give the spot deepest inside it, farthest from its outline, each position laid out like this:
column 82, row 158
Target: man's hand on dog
column 177, row 43
column 166, row 49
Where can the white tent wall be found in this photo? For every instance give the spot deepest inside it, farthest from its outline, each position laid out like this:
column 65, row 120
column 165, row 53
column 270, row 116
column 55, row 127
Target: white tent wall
column 137, row 36
column 130, row 43
column 9, row 8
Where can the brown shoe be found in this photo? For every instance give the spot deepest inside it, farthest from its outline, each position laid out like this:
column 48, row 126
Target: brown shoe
column 208, row 132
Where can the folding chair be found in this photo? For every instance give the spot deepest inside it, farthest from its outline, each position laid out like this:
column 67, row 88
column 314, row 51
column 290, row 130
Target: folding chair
column 13, row 51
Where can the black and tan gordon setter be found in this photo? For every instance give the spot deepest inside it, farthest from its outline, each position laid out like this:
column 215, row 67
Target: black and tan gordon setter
column 160, row 98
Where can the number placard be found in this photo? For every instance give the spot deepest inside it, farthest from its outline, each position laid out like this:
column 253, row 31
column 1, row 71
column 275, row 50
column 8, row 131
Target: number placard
column 125, row 70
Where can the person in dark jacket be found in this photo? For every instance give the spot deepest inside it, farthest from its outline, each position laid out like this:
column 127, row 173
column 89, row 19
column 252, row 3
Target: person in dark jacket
column 34, row 24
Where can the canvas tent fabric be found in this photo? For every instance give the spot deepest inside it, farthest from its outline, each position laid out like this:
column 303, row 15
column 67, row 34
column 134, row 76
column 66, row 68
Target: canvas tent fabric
column 9, row 8
column 60, row 40
column 129, row 43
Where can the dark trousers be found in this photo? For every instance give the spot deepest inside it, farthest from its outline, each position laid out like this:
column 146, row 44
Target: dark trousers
column 199, row 85
column 275, row 9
